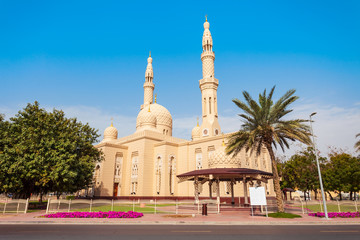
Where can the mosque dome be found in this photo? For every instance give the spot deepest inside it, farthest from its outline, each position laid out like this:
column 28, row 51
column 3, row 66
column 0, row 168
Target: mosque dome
column 219, row 159
column 110, row 133
column 162, row 115
column 195, row 133
column 147, row 118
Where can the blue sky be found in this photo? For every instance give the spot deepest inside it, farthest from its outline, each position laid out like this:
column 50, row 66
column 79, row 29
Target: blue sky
column 89, row 57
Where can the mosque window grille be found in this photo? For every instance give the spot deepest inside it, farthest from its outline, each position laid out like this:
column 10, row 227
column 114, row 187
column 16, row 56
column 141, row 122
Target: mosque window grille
column 134, row 173
column 256, row 161
column 118, row 169
column 247, row 159
column 158, row 172
column 97, row 175
column 198, row 159
column 263, row 161
column 209, row 105
column 172, row 173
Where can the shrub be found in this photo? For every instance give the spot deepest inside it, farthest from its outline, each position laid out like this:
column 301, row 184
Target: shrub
column 70, row 197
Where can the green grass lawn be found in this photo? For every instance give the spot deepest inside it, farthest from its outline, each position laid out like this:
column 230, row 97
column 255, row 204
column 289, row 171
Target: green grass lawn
column 107, row 208
column 330, row 208
column 283, row 215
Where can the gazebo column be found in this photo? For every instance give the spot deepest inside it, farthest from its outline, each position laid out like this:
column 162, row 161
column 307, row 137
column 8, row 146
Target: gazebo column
column 210, row 190
column 196, row 189
column 245, row 192
column 232, row 192
column 218, row 190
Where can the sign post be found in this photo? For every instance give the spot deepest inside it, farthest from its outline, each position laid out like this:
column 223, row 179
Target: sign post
column 257, row 198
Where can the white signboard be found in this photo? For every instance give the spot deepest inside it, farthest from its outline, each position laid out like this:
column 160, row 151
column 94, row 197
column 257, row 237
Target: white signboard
column 257, row 196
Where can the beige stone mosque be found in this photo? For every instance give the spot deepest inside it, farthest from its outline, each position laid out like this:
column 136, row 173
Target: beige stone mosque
column 152, row 163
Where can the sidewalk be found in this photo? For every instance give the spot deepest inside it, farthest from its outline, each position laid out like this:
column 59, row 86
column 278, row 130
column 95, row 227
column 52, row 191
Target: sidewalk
column 224, row 218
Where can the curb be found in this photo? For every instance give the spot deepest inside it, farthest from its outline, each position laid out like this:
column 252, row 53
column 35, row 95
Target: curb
column 178, row 223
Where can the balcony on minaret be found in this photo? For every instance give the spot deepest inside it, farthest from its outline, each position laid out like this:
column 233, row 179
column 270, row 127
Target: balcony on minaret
column 211, row 80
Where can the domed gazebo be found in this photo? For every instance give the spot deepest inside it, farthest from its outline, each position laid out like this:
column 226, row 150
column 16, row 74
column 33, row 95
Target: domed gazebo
column 224, row 168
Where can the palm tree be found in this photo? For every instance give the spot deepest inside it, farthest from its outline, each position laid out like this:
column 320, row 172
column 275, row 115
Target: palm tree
column 263, row 126
column 357, row 144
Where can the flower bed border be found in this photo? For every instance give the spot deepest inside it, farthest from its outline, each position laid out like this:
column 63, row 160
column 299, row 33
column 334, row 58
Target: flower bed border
column 100, row 214
column 337, row 214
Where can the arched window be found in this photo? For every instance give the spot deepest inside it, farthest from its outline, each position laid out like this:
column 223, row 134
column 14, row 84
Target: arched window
column 134, row 174
column 158, row 168
column 209, row 105
column 172, row 172
column 97, row 175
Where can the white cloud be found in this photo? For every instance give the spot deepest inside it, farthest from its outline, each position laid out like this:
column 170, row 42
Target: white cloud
column 334, row 126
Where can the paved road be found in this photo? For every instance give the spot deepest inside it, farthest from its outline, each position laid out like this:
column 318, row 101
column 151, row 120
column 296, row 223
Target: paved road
column 183, row 232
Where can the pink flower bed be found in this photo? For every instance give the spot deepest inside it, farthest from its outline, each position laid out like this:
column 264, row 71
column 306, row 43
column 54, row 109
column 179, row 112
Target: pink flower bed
column 110, row 214
column 337, row 214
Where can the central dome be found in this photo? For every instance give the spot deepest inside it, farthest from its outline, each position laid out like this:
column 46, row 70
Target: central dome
column 163, row 118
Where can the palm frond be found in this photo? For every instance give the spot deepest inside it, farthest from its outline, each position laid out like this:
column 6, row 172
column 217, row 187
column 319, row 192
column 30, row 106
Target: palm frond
column 357, row 144
column 263, row 124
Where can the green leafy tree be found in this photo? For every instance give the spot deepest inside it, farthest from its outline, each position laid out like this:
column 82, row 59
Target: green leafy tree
column 3, row 126
column 264, row 126
column 342, row 173
column 300, row 171
column 46, row 152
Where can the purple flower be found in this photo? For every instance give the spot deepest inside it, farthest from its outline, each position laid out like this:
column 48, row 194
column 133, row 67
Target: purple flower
column 337, row 214
column 110, row 214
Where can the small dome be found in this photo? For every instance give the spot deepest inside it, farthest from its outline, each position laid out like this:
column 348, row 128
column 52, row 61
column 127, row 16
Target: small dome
column 195, row 133
column 110, row 133
column 219, row 159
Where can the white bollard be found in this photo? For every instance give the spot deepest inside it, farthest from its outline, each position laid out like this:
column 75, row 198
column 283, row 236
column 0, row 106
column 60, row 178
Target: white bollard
column 155, row 205
column 90, row 204
column 176, row 207
column 26, row 205
column 69, row 205
column 356, row 206
column 47, row 207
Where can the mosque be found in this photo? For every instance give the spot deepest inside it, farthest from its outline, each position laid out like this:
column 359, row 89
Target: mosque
column 152, row 163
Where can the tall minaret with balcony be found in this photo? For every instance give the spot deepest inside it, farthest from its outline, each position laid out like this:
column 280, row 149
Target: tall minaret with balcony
column 208, row 85
column 148, row 85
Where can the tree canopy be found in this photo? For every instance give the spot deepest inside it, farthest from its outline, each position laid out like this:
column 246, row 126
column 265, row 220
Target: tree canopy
column 44, row 152
column 340, row 171
column 264, row 126
column 300, row 171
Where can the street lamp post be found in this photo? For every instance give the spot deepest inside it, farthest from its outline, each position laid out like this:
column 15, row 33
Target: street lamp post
column 318, row 167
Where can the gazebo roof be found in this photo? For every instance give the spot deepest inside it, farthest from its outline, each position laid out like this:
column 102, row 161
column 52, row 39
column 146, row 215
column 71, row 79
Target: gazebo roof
column 225, row 174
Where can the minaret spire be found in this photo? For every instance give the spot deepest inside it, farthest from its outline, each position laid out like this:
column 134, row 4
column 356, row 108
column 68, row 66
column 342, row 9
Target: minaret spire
column 149, row 85
column 208, row 85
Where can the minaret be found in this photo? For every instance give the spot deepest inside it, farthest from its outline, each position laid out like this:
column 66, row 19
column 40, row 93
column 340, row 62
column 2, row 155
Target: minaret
column 208, row 85
column 148, row 85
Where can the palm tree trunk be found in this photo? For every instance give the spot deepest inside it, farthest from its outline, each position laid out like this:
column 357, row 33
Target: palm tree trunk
column 279, row 200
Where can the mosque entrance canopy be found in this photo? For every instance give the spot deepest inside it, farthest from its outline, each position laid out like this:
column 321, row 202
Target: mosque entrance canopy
column 225, row 174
